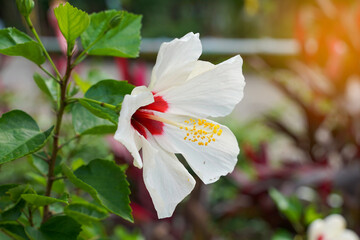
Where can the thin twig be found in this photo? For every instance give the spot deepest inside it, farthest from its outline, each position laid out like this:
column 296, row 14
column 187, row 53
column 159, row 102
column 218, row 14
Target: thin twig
column 69, row 141
column 48, row 73
column 41, row 157
column 20, row 223
column 84, row 53
column 30, row 217
column 33, row 30
column 58, row 178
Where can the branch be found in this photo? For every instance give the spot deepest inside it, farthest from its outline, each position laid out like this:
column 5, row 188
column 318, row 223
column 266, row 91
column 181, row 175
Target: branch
column 29, row 23
column 70, row 140
column 55, row 149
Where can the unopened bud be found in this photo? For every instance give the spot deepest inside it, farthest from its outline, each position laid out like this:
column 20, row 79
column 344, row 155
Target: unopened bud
column 115, row 21
column 25, row 6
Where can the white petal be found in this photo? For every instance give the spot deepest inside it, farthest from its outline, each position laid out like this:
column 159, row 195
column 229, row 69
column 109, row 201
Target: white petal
column 208, row 162
column 166, row 179
column 334, row 224
column 211, row 93
column 125, row 132
column 175, row 61
column 348, row 235
column 316, row 229
column 200, row 67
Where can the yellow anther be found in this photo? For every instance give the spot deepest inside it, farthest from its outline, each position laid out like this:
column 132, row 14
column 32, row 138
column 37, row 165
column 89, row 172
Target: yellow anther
column 200, row 129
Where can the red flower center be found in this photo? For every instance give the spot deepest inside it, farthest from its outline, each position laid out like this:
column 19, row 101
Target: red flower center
column 141, row 121
column 321, row 237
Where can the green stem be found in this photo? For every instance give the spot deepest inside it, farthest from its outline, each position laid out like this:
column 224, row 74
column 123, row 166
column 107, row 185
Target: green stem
column 69, row 141
column 28, row 21
column 55, row 149
column 82, row 56
column 106, row 105
column 41, row 157
column 48, row 73
column 30, row 218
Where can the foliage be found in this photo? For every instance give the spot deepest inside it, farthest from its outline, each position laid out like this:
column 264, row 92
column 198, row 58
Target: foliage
column 16, row 43
column 48, row 208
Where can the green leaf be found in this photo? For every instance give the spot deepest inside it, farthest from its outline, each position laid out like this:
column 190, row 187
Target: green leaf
column 109, row 91
column 38, row 200
column 120, row 41
column 5, row 198
column 122, row 233
column 85, row 213
column 13, row 213
column 72, row 89
column 5, row 188
column 95, row 231
column 20, row 136
column 16, row 43
column 84, row 85
column 85, row 122
column 15, row 193
column 106, row 91
column 100, row 111
column 41, row 165
column 35, row 178
column 290, row 207
column 282, row 234
column 311, row 214
column 47, row 86
column 25, row 6
column 106, row 183
column 16, row 231
column 56, row 228
column 72, row 22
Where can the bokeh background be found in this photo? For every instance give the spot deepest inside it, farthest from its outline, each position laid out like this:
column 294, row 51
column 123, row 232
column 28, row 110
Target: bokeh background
column 298, row 125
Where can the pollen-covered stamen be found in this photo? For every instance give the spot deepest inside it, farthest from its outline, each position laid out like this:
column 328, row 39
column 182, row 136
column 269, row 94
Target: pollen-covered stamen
column 201, row 131
column 198, row 131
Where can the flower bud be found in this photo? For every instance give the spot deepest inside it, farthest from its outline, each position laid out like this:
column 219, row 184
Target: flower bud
column 25, row 6
column 115, row 21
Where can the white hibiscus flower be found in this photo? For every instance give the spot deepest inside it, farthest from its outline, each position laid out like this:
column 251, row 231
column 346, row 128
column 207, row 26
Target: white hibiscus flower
column 169, row 117
column 332, row 227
